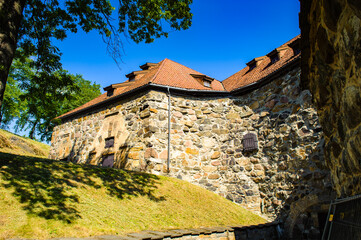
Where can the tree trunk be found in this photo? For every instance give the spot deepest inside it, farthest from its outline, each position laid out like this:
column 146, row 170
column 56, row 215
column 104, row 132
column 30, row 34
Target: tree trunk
column 10, row 20
column 32, row 131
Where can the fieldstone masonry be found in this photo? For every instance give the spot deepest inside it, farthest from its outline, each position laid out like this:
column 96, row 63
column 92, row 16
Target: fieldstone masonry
column 331, row 63
column 206, row 144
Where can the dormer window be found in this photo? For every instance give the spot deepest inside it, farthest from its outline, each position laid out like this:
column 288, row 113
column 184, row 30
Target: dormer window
column 274, row 58
column 203, row 79
column 111, row 88
column 110, row 92
column 207, row 83
column 276, row 54
column 296, row 46
column 148, row 65
column 255, row 62
column 296, row 51
column 133, row 76
column 252, row 66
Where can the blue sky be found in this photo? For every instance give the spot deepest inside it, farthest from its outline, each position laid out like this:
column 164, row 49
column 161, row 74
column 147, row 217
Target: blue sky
column 224, row 36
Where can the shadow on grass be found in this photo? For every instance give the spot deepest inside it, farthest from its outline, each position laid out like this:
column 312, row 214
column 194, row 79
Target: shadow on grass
column 44, row 187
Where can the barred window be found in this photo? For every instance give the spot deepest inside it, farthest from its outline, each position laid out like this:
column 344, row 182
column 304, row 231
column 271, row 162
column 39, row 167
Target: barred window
column 250, row 142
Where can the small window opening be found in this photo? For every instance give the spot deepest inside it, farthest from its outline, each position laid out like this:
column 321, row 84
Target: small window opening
column 296, row 46
column 275, row 58
column 296, row 51
column 109, row 142
column 108, row 160
column 252, row 66
column 207, row 83
column 110, row 92
column 250, row 142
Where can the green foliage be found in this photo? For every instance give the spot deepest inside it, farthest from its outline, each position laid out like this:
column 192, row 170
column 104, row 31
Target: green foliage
column 86, row 91
column 12, row 105
column 45, row 20
column 38, row 88
column 38, row 97
column 141, row 20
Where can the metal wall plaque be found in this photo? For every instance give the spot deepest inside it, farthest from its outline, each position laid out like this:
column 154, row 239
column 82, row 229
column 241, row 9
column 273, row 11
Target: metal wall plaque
column 250, row 142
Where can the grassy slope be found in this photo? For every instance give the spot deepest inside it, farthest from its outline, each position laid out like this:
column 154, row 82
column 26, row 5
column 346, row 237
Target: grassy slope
column 11, row 143
column 41, row 198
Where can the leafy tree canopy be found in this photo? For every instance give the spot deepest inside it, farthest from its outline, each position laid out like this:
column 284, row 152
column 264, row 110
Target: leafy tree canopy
column 33, row 99
column 32, row 24
column 12, row 105
column 141, row 20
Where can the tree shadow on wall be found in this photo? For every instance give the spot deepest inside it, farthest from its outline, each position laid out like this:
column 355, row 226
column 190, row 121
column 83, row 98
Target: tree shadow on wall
column 296, row 186
column 47, row 188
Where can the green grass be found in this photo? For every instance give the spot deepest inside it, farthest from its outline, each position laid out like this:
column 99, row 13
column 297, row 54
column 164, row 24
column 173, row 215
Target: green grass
column 15, row 144
column 41, row 198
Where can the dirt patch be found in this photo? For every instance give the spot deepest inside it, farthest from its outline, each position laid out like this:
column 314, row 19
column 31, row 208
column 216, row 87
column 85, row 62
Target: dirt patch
column 15, row 144
column 19, row 143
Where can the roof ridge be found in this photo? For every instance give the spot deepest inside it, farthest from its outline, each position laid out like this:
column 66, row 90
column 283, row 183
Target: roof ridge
column 160, row 66
column 247, row 75
column 186, row 67
column 291, row 40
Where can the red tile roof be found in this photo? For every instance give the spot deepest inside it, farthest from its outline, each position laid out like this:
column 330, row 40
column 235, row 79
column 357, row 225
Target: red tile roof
column 172, row 74
column 264, row 68
column 166, row 73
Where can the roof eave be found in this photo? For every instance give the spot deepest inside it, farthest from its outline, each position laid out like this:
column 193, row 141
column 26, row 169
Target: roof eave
column 106, row 101
column 238, row 91
column 143, row 88
column 187, row 90
column 263, row 81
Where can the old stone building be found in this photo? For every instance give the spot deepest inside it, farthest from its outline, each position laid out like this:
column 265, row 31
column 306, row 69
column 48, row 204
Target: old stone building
column 253, row 138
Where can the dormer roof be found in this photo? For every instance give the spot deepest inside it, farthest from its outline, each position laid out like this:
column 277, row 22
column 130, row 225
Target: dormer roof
column 263, row 67
column 166, row 73
column 278, row 51
column 170, row 74
column 147, row 65
column 255, row 62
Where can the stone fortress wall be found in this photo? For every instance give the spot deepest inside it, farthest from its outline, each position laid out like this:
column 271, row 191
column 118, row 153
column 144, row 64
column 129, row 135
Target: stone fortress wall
column 284, row 177
column 331, row 69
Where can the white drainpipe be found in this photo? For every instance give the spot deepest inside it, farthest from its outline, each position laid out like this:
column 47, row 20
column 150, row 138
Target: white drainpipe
column 169, row 116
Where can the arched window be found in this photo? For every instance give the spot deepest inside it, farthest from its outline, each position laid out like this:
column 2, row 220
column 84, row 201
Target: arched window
column 250, row 142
